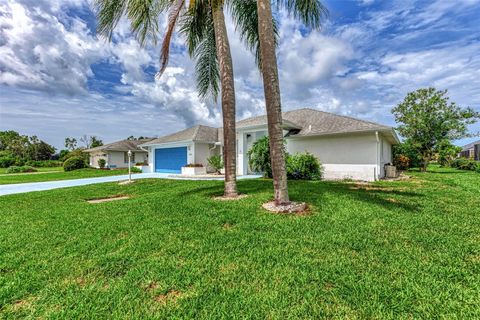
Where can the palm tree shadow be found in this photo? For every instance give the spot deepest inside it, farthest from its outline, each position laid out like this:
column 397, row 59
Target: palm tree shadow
column 313, row 192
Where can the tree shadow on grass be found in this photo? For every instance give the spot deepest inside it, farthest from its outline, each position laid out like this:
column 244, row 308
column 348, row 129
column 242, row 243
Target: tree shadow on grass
column 313, row 192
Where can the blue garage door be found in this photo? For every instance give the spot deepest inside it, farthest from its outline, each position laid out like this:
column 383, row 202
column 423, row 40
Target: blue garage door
column 170, row 160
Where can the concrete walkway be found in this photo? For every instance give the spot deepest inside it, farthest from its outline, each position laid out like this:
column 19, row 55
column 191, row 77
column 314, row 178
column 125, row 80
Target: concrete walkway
column 49, row 185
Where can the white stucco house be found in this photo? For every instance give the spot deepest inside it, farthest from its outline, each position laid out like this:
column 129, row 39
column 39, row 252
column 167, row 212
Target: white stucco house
column 348, row 148
column 116, row 153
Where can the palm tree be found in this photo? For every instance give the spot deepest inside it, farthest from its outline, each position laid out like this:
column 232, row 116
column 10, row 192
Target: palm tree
column 311, row 12
column 207, row 41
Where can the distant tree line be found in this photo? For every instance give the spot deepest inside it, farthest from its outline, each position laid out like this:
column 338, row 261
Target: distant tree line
column 17, row 149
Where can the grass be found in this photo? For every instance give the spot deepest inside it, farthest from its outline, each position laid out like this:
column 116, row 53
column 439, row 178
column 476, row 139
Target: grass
column 50, row 174
column 386, row 250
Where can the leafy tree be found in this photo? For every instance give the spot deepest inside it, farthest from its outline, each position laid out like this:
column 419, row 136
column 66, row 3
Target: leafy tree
column 447, row 152
column 426, row 118
column 90, row 141
column 132, row 138
column 39, row 150
column 70, row 143
column 95, row 142
column 15, row 143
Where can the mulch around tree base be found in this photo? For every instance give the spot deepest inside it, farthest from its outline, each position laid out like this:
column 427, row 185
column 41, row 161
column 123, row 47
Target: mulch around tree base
column 292, row 207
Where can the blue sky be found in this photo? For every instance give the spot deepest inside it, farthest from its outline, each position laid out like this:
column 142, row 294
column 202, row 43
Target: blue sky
column 58, row 79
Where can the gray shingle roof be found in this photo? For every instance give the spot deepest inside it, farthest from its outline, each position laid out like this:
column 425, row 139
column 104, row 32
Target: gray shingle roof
column 306, row 121
column 198, row 133
column 123, row 145
column 316, row 122
column 470, row 145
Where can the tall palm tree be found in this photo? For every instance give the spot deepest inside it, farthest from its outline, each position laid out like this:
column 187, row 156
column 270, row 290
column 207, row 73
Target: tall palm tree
column 311, row 12
column 207, row 41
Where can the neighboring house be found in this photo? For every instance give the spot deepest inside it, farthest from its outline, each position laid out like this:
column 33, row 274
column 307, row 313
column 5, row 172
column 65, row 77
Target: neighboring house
column 346, row 147
column 116, row 153
column 471, row 151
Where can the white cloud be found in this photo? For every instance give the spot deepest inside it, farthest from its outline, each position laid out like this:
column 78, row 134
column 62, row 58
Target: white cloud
column 361, row 68
column 38, row 52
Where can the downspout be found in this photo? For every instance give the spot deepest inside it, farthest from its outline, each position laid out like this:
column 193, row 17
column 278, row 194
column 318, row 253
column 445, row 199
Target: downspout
column 377, row 166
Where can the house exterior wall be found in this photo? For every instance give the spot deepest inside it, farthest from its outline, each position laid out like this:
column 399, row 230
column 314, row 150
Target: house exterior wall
column 358, row 156
column 95, row 156
column 202, row 152
column 115, row 159
column 385, row 155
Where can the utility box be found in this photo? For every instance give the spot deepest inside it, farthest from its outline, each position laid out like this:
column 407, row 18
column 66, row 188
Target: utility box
column 390, row 171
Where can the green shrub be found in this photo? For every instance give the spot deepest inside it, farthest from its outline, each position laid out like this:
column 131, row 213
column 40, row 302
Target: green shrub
column 135, row 170
column 464, row 164
column 20, row 169
column 74, row 163
column 303, row 166
column 259, row 157
column 215, row 162
column 7, row 159
column 101, row 163
column 44, row 163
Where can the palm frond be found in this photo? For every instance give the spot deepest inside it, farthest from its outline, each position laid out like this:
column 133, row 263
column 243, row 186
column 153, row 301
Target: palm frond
column 109, row 12
column 173, row 15
column 244, row 14
column 144, row 16
column 195, row 24
column 206, row 67
column 310, row 12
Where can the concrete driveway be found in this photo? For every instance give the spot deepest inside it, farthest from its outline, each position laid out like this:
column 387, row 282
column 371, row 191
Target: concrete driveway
column 49, row 185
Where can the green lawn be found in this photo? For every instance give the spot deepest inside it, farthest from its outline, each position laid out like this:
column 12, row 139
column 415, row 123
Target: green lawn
column 387, row 250
column 50, row 174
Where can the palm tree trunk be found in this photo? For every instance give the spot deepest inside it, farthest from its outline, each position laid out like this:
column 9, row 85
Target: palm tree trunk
column 228, row 101
column 271, row 88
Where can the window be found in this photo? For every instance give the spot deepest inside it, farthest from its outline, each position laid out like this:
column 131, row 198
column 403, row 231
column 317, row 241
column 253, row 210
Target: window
column 125, row 157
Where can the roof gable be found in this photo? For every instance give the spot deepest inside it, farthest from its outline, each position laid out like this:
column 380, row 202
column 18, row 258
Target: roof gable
column 122, row 145
column 197, row 133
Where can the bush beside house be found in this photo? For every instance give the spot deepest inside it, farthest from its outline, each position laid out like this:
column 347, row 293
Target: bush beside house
column 303, row 166
column 466, row 164
column 101, row 163
column 74, row 163
column 300, row 166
